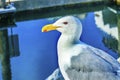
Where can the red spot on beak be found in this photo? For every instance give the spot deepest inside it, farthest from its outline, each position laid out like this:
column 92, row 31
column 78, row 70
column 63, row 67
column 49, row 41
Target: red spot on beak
column 45, row 31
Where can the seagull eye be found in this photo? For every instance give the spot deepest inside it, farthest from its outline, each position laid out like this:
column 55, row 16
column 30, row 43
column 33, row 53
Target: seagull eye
column 65, row 23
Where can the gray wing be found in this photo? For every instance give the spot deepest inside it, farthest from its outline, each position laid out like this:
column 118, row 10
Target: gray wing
column 56, row 75
column 90, row 66
column 108, row 58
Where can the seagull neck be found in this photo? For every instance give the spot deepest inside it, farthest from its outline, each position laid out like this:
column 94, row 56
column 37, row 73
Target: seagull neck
column 67, row 40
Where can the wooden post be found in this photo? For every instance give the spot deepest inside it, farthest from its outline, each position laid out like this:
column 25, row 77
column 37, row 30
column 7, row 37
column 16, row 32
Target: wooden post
column 4, row 55
column 118, row 2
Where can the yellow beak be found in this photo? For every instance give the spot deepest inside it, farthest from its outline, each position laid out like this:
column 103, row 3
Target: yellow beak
column 49, row 27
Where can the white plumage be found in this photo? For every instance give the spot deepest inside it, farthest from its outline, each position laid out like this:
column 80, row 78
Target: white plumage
column 77, row 60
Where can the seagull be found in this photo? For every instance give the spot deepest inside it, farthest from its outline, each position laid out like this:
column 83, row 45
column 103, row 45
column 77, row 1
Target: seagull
column 78, row 60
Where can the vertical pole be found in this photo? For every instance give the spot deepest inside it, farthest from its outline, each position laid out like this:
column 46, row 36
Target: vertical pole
column 118, row 23
column 4, row 55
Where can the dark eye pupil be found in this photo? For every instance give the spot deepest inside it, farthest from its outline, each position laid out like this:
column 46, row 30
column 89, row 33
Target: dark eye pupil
column 65, row 22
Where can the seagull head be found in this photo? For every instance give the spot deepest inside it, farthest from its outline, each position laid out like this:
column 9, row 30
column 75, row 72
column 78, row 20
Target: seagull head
column 66, row 25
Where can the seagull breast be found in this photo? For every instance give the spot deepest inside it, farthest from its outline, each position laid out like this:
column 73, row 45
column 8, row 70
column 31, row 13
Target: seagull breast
column 77, row 60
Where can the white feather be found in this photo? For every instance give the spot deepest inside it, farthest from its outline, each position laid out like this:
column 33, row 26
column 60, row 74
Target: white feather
column 69, row 46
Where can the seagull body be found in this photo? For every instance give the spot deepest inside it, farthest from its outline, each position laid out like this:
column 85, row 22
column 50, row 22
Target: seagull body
column 77, row 60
